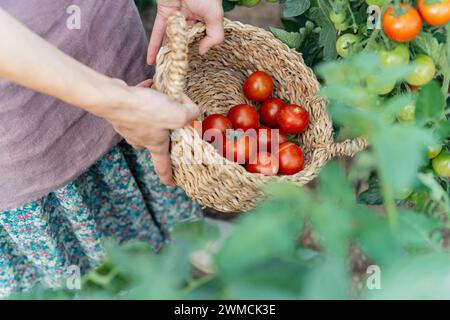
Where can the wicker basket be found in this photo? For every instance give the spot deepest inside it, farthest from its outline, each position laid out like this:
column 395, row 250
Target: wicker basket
column 214, row 82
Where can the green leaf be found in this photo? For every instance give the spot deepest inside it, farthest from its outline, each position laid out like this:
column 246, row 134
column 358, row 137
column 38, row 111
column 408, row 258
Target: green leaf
column 294, row 8
column 429, row 45
column 327, row 37
column 260, row 237
column 430, row 104
column 372, row 195
column 290, row 25
column 442, row 130
column 399, row 150
column 414, row 231
column 228, row 5
column 292, row 39
column 272, row 279
column 328, row 280
column 375, row 238
column 416, row 277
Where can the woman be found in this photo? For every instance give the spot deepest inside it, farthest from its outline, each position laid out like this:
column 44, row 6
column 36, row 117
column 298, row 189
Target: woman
column 67, row 177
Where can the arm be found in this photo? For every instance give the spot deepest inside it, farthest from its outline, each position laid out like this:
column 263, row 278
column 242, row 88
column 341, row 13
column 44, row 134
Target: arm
column 208, row 11
column 34, row 63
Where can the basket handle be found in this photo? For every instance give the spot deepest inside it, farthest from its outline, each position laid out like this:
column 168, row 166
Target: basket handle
column 347, row 147
column 177, row 64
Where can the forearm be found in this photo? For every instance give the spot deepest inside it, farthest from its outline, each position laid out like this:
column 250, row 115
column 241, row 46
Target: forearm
column 29, row 60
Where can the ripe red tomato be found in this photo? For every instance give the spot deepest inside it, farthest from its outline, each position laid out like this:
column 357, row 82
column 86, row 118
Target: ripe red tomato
column 264, row 163
column 258, row 86
column 239, row 147
column 293, row 119
column 402, row 28
column 267, row 136
column 436, row 13
column 269, row 110
column 244, row 116
column 264, row 135
column 282, row 136
column 291, row 159
column 214, row 125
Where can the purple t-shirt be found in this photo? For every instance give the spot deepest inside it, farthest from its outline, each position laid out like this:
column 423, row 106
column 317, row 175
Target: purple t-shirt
column 45, row 143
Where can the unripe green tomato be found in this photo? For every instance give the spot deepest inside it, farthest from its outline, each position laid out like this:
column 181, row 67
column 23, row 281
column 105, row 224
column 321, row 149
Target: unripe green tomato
column 338, row 17
column 375, row 3
column 434, row 151
column 423, row 72
column 249, row 3
column 378, row 86
column 344, row 42
column 407, row 113
column 441, row 164
column 395, row 58
column 341, row 26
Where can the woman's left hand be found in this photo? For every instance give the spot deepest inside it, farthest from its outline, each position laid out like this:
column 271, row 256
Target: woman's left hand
column 208, row 11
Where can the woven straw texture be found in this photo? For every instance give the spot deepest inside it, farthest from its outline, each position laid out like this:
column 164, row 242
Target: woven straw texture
column 214, row 82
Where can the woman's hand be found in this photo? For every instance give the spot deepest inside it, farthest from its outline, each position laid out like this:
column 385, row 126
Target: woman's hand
column 208, row 11
column 144, row 117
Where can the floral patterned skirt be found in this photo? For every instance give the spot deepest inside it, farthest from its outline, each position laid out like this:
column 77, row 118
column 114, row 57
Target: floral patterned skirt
column 120, row 197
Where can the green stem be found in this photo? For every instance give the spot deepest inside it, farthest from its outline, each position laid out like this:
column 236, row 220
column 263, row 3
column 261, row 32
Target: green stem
column 198, row 283
column 446, row 73
column 389, row 204
column 354, row 25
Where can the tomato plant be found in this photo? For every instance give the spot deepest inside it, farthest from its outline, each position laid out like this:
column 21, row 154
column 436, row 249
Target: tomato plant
column 293, row 118
column 402, row 26
column 244, row 116
column 258, row 86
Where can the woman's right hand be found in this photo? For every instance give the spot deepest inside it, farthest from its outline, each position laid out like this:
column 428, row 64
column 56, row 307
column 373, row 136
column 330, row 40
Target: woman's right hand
column 144, row 116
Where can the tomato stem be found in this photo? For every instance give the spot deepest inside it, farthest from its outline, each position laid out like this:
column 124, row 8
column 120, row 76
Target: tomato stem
column 389, row 204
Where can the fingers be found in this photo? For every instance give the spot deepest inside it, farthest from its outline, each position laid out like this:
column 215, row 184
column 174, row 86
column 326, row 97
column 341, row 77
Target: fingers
column 146, row 84
column 162, row 163
column 176, row 115
column 214, row 32
column 158, row 32
column 192, row 109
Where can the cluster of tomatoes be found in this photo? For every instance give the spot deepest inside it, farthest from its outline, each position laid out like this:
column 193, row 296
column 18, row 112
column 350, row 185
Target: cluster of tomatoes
column 405, row 23
column 402, row 23
column 257, row 138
